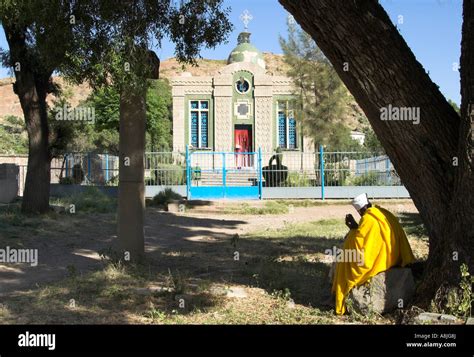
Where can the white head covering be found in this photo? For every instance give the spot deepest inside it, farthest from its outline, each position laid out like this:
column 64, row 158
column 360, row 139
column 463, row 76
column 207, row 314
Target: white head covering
column 360, row 201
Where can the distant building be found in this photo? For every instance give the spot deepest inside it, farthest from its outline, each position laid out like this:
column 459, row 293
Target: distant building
column 357, row 135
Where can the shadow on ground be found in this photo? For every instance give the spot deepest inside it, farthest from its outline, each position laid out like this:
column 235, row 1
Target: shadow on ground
column 188, row 253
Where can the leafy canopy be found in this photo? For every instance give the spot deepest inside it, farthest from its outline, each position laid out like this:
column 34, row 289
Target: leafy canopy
column 321, row 98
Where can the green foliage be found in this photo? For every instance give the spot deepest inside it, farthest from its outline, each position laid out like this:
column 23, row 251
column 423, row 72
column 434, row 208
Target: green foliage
column 91, row 200
column 166, row 196
column 455, row 106
column 269, row 207
column 106, row 102
column 116, row 48
column 284, row 294
column 13, row 138
column 106, row 45
column 321, row 98
column 159, row 115
column 460, row 300
column 371, row 142
column 298, row 179
column 167, row 174
column 371, row 178
column 66, row 181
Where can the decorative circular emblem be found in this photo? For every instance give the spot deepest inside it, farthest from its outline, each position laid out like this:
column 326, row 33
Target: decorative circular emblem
column 242, row 85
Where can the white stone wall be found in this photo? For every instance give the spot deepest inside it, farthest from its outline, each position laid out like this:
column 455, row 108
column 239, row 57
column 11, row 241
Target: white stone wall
column 182, row 86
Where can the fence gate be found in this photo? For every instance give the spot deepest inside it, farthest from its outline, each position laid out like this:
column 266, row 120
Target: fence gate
column 219, row 175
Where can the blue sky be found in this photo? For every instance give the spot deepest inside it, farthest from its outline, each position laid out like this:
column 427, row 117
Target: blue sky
column 432, row 29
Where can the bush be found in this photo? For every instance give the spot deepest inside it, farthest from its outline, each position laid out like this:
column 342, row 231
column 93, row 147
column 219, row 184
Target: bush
column 167, row 175
column 297, row 179
column 165, row 197
column 91, row 200
column 77, row 174
column 369, row 179
column 66, row 181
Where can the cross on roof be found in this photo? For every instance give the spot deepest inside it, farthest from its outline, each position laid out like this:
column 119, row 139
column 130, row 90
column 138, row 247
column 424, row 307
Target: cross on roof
column 246, row 17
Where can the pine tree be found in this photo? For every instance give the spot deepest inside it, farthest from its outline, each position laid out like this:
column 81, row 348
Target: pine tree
column 321, row 97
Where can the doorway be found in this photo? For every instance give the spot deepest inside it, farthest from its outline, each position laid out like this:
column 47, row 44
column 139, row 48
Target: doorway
column 243, row 146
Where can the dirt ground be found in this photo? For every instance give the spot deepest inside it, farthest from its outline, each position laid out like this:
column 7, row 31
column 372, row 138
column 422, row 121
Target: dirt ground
column 199, row 240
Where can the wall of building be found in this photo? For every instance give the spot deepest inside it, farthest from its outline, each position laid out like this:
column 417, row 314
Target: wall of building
column 221, row 91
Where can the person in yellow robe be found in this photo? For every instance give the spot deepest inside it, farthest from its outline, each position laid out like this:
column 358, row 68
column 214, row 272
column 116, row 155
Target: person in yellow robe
column 379, row 239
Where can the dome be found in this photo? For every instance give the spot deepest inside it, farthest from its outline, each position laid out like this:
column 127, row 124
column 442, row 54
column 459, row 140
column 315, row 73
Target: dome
column 246, row 52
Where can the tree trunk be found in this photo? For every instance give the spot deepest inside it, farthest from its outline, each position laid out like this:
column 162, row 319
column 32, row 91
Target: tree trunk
column 383, row 71
column 31, row 88
column 131, row 175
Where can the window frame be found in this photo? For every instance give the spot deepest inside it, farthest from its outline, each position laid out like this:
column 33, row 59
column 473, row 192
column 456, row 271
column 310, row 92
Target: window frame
column 236, row 86
column 286, row 112
column 199, row 110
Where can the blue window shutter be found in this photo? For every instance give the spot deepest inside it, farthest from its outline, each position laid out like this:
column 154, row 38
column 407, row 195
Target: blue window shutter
column 204, row 125
column 282, row 130
column 194, row 129
column 292, row 133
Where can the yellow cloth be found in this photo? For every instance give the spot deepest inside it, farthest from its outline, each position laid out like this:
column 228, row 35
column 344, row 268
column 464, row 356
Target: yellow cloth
column 383, row 243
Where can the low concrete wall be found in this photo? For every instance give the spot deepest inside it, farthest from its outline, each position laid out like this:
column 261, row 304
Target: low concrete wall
column 372, row 191
column 58, row 190
column 267, row 192
column 335, row 192
column 152, row 191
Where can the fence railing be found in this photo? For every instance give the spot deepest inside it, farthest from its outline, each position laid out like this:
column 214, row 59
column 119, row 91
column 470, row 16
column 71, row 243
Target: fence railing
column 282, row 169
column 304, row 169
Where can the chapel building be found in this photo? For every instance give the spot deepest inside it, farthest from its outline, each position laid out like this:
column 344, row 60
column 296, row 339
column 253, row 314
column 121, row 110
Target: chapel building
column 240, row 109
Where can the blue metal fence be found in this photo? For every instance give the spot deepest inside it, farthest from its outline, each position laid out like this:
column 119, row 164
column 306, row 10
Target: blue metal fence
column 207, row 174
column 220, row 175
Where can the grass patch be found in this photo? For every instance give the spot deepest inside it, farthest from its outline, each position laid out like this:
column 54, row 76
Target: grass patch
column 327, row 228
column 115, row 295
column 14, row 223
column 91, row 200
column 281, row 270
column 269, row 207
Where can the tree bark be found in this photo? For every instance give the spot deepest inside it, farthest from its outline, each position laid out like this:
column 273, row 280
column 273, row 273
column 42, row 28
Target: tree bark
column 32, row 89
column 383, row 71
column 131, row 202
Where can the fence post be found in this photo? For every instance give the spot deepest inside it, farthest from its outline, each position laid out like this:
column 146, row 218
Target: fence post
column 66, row 157
column 260, row 173
column 224, row 173
column 106, row 167
column 188, row 173
column 321, row 168
column 89, row 167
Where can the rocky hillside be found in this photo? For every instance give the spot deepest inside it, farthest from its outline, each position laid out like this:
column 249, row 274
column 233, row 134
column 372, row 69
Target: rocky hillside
column 10, row 105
